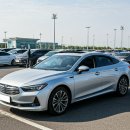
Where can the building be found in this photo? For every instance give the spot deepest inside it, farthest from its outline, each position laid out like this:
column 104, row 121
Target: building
column 18, row 42
column 47, row 45
column 3, row 44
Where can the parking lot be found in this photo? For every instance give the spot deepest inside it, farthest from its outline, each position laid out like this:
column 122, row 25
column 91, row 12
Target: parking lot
column 106, row 112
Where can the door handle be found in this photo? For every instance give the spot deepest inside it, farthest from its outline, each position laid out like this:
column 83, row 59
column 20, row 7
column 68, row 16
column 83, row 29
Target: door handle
column 97, row 73
column 116, row 69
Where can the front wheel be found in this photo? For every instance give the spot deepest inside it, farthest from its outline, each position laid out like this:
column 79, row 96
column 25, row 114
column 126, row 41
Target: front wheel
column 13, row 62
column 122, row 87
column 59, row 101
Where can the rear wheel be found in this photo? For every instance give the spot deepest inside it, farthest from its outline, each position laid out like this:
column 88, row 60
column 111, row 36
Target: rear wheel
column 59, row 101
column 122, row 87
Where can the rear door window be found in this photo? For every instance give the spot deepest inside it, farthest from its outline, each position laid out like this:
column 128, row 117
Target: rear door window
column 103, row 61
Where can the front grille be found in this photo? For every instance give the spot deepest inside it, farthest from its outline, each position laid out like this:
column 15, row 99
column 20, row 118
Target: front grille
column 7, row 89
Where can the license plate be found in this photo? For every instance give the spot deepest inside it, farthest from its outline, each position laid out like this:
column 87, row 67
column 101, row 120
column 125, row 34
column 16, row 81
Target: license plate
column 4, row 98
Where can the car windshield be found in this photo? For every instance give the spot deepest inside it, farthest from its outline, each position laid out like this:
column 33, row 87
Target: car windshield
column 50, row 53
column 32, row 51
column 12, row 51
column 16, row 51
column 58, row 63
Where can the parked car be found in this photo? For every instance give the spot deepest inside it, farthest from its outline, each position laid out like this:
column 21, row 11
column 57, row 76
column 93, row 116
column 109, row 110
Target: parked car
column 6, row 58
column 50, row 53
column 63, row 79
column 35, row 54
column 124, row 56
column 6, row 49
column 17, row 51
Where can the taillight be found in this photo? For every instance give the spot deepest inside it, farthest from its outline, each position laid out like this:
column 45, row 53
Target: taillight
column 129, row 66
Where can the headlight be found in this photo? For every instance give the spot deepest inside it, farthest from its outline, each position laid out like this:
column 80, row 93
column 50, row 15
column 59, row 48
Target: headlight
column 34, row 87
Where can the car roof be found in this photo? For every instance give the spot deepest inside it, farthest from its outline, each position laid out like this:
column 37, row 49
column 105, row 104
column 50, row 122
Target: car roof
column 83, row 54
column 17, row 49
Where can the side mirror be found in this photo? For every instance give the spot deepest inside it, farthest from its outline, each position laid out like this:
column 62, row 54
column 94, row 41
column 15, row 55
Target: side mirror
column 83, row 68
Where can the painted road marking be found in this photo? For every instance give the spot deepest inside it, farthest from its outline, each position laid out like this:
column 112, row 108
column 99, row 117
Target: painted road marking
column 24, row 120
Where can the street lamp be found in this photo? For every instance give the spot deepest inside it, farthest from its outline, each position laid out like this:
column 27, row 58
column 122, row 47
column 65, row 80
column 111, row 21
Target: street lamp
column 5, row 38
column 122, row 29
column 107, row 40
column 93, row 41
column 115, row 38
column 62, row 39
column 88, row 37
column 40, row 41
column 54, row 16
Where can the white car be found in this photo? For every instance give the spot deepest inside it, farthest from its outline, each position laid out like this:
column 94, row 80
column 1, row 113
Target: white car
column 17, row 51
column 6, row 58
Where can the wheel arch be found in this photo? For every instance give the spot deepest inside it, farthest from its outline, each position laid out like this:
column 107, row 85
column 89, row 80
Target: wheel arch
column 64, row 86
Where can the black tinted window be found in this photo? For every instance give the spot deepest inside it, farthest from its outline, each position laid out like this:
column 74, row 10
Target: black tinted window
column 21, row 51
column 4, row 54
column 103, row 61
column 115, row 61
column 89, row 61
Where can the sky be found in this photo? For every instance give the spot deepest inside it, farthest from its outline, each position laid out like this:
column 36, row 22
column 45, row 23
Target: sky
column 29, row 18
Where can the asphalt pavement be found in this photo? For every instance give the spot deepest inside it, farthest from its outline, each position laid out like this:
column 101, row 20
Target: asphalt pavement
column 107, row 112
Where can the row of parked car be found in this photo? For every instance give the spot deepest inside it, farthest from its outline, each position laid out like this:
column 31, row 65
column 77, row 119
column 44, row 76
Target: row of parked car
column 14, row 56
column 20, row 56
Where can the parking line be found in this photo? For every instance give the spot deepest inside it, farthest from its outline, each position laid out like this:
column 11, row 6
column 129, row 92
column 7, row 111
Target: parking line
column 24, row 120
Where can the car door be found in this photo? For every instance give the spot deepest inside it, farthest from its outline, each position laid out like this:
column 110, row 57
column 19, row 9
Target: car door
column 108, row 71
column 1, row 58
column 87, row 81
column 6, row 57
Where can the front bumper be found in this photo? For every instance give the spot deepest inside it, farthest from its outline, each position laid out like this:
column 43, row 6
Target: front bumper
column 36, row 108
column 29, row 101
column 20, row 61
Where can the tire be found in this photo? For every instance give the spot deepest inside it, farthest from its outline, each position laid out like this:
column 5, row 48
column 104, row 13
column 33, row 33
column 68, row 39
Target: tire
column 59, row 101
column 13, row 62
column 122, row 87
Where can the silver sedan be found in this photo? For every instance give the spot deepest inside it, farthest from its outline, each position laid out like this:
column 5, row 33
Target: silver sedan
column 63, row 79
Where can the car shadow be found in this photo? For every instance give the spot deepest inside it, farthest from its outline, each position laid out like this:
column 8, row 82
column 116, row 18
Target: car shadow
column 88, row 110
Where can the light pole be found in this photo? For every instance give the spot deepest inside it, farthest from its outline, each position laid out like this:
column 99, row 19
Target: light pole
column 122, row 29
column 54, row 16
column 5, row 38
column 115, row 38
column 88, row 37
column 40, row 41
column 93, row 41
column 5, row 34
column 107, row 40
column 62, row 39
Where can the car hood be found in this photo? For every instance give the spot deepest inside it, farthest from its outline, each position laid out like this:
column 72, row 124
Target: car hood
column 27, row 76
